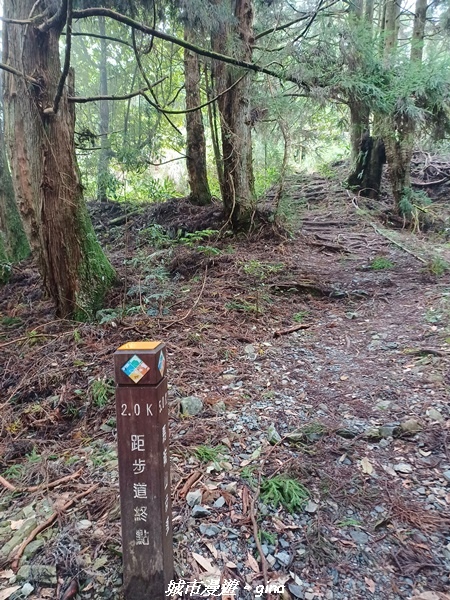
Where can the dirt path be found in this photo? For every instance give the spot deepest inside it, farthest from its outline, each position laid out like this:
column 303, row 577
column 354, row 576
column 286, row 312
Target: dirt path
column 353, row 407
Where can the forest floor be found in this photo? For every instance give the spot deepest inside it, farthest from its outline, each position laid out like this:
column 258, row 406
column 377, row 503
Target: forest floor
column 322, row 364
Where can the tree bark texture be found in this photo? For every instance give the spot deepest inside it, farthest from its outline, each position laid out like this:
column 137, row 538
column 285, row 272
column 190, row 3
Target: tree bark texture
column 238, row 192
column 46, row 180
column 13, row 241
column 195, row 131
column 104, row 156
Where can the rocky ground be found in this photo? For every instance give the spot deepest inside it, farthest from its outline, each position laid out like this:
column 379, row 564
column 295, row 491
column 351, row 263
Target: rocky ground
column 309, row 414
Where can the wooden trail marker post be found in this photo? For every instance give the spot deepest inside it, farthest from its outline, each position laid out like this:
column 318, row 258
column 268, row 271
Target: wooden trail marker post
column 144, row 477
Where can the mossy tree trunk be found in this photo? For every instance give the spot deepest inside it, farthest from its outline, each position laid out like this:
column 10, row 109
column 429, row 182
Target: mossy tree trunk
column 238, row 191
column 75, row 272
column 195, row 131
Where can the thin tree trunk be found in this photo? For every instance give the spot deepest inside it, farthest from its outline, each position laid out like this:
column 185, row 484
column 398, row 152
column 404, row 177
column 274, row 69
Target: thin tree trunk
column 238, row 192
column 212, row 116
column 104, row 156
column 45, row 175
column 195, row 132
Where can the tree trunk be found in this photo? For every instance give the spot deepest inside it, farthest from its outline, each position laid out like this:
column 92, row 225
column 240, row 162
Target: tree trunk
column 366, row 176
column 213, row 126
column 359, row 126
column 238, row 193
column 46, row 180
column 400, row 129
column 13, row 241
column 195, row 132
column 104, row 156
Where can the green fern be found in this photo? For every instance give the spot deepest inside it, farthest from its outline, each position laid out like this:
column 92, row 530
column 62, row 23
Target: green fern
column 284, row 491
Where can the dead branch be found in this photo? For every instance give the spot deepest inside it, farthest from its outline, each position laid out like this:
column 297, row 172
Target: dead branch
column 290, row 329
column 193, row 478
column 7, row 485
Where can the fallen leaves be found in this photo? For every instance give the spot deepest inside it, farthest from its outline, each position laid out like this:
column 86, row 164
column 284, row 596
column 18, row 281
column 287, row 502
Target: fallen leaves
column 8, row 592
column 366, row 466
column 252, row 563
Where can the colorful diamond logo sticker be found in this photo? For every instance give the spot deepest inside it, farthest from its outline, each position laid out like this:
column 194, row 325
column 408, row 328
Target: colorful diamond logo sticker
column 135, row 368
column 161, row 363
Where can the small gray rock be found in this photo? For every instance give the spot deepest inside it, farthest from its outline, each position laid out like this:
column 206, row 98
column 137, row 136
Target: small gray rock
column 295, row 590
column 219, row 502
column 45, row 574
column 33, row 547
column 271, row 559
column 383, row 404
column 411, row 426
column 27, row 589
column 311, row 507
column 435, row 415
column 372, row 433
column 200, row 511
column 388, row 431
column 359, row 537
column 273, row 437
column 193, row 498
column 191, row 406
column 403, row 468
column 446, row 475
column 283, row 558
column 209, row 530
column 219, row 407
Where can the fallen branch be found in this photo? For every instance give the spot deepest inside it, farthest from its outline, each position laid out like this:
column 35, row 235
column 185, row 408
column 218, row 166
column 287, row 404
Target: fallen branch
column 41, row 486
column 193, row 478
column 429, row 183
column 37, row 530
column 123, row 218
column 290, row 330
column 257, row 539
column 7, row 485
column 422, row 260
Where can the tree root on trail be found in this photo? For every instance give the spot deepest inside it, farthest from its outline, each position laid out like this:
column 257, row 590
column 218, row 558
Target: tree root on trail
column 422, row 260
column 41, row 486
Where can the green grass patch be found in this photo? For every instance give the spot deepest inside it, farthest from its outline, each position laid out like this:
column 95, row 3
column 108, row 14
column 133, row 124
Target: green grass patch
column 207, row 454
column 381, row 263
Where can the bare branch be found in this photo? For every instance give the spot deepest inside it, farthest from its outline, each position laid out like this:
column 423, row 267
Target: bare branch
column 66, row 66
column 14, row 71
column 83, row 100
column 95, row 12
column 100, row 37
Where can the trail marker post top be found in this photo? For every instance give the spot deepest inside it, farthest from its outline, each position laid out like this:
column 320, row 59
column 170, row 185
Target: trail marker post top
column 144, row 477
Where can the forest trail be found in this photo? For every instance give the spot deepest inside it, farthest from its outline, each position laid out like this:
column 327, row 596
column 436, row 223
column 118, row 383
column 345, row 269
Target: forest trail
column 352, row 406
